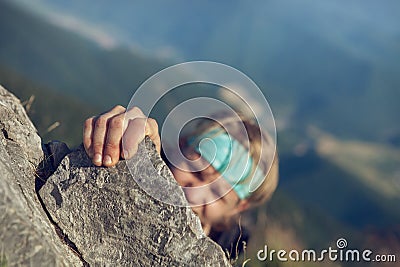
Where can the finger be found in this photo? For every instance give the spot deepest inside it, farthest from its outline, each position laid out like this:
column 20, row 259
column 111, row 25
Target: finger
column 151, row 130
column 131, row 114
column 99, row 133
column 133, row 135
column 112, row 144
column 87, row 136
column 130, row 144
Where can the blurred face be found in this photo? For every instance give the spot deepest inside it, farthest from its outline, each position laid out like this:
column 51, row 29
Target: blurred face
column 209, row 194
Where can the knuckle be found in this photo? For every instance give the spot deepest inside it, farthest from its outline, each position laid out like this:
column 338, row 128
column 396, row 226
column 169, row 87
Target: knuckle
column 117, row 122
column 138, row 121
column 97, row 147
column 153, row 123
column 110, row 147
column 119, row 108
column 101, row 121
column 137, row 110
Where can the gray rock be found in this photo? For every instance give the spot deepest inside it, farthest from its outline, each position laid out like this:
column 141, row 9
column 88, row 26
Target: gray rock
column 87, row 215
column 27, row 236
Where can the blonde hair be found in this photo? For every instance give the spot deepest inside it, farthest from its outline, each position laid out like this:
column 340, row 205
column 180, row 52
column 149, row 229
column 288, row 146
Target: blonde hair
column 259, row 144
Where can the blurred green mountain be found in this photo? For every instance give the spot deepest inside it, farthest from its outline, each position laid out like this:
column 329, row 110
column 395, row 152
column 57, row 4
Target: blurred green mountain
column 56, row 116
column 332, row 62
column 69, row 63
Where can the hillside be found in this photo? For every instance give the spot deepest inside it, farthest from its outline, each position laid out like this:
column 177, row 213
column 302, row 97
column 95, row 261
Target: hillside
column 56, row 116
column 69, row 63
column 330, row 63
column 376, row 165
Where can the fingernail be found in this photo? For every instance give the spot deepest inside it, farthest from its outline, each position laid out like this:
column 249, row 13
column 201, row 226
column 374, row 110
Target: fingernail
column 107, row 160
column 97, row 158
column 125, row 154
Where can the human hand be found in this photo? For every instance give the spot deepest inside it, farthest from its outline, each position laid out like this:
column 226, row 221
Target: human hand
column 103, row 135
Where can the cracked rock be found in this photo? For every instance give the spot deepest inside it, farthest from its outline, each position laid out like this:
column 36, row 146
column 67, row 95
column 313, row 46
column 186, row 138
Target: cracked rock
column 85, row 215
column 27, row 236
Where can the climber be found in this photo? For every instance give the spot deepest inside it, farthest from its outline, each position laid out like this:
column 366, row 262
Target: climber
column 217, row 210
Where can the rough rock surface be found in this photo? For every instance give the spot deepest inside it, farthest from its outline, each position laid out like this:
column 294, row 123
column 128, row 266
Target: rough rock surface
column 87, row 215
column 27, row 236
